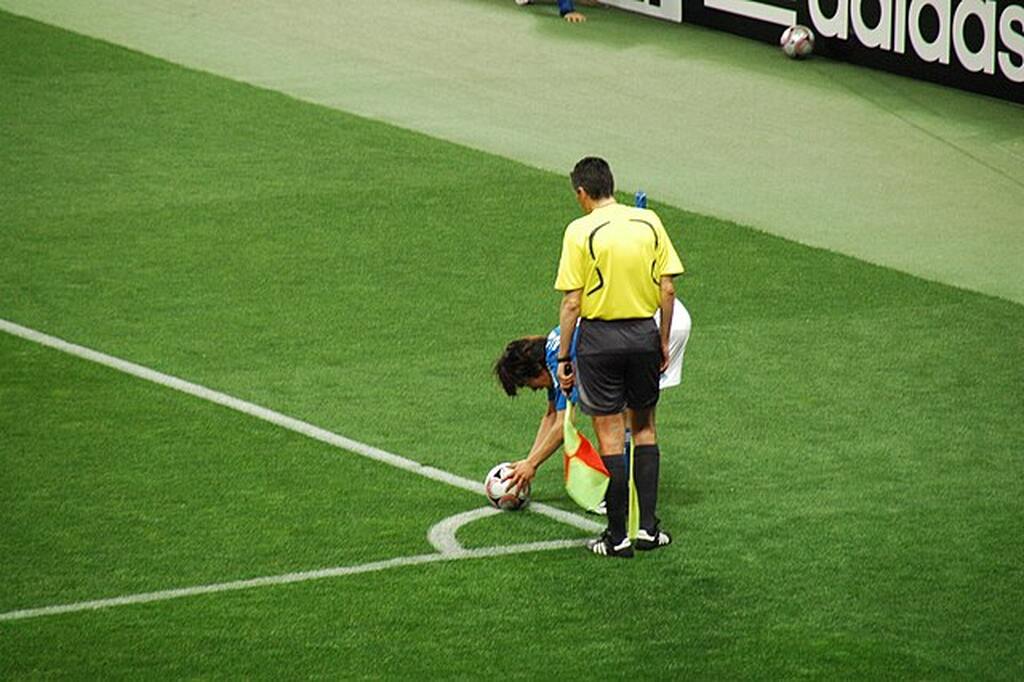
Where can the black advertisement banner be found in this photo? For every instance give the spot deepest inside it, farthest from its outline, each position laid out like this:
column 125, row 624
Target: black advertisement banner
column 976, row 45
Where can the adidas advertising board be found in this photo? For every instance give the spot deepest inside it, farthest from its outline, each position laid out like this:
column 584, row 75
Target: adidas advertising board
column 976, row 45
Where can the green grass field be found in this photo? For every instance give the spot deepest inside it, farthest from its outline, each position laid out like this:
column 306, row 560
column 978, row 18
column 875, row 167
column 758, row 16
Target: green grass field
column 842, row 463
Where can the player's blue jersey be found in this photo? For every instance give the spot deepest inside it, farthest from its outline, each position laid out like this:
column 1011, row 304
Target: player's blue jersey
column 564, row 7
column 555, row 393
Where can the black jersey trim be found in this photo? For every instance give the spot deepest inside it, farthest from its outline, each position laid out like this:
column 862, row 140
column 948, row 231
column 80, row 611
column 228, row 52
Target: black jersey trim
column 653, row 231
column 600, row 281
column 590, row 239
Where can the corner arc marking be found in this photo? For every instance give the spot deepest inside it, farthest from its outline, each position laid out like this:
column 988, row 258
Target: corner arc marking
column 442, row 535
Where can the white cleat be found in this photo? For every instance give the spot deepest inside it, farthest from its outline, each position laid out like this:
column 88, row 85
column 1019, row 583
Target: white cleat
column 603, row 546
column 647, row 541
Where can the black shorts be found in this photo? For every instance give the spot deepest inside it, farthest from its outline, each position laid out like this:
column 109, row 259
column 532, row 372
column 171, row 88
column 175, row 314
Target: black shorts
column 618, row 364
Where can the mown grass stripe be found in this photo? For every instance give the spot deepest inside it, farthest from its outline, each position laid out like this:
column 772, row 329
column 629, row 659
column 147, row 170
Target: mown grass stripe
column 282, row 420
column 285, row 579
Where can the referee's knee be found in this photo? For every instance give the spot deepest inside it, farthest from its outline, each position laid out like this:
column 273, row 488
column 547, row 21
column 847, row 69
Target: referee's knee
column 642, row 426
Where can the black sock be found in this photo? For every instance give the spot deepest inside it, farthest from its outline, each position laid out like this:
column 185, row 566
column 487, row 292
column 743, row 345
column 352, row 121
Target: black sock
column 645, row 474
column 617, row 497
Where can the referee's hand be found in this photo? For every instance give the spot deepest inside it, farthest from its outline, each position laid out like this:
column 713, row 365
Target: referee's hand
column 566, row 376
column 664, row 357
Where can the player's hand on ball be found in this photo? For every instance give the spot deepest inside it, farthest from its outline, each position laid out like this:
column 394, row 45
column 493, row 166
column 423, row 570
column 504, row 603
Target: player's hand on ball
column 521, row 473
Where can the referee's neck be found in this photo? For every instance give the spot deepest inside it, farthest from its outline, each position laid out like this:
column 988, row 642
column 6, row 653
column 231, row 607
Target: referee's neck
column 595, row 204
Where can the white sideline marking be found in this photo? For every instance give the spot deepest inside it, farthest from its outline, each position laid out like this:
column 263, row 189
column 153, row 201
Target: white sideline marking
column 281, row 420
column 287, row 578
column 441, row 535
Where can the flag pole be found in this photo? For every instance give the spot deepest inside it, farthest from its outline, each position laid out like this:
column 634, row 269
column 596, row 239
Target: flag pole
column 633, row 519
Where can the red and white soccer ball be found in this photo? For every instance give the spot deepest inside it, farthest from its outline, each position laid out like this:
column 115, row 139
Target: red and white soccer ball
column 797, row 41
column 500, row 494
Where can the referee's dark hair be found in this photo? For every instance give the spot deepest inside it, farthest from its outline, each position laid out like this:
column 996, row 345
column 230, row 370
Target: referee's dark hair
column 522, row 360
column 594, row 175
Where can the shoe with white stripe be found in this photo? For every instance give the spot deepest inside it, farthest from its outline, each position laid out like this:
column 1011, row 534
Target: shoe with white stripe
column 603, row 546
column 645, row 541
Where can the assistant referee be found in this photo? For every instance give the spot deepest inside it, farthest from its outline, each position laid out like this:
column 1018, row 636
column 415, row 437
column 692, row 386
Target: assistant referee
column 615, row 271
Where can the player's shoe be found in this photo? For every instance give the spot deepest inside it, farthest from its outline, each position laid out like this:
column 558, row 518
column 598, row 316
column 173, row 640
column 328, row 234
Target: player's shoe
column 645, row 541
column 603, row 546
column 601, row 509
column 522, row 2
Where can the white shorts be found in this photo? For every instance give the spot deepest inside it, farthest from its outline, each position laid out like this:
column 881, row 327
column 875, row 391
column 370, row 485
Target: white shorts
column 677, row 338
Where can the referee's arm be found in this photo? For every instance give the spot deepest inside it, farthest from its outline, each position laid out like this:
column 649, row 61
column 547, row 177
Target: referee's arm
column 567, row 317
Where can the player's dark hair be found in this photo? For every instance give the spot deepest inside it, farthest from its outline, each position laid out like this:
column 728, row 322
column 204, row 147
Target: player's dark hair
column 595, row 176
column 522, row 360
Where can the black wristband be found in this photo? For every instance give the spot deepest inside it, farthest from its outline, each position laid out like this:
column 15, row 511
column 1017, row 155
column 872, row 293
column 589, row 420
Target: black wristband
column 567, row 358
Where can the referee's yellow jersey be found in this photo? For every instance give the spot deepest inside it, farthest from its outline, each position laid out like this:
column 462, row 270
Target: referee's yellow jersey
column 617, row 255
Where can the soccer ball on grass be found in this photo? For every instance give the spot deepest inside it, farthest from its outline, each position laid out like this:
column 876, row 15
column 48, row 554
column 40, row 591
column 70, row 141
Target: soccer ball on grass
column 502, row 494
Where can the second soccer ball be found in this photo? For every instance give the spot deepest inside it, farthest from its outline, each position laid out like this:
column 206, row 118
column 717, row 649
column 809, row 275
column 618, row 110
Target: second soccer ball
column 797, row 41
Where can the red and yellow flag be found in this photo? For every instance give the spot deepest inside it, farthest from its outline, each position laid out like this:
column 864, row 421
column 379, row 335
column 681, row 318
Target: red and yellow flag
column 586, row 478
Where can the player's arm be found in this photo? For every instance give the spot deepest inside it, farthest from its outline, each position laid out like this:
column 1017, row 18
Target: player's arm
column 667, row 305
column 568, row 315
column 544, row 444
column 549, row 437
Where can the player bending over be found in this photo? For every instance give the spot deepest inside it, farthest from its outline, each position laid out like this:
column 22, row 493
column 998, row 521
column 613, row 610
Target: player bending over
column 532, row 362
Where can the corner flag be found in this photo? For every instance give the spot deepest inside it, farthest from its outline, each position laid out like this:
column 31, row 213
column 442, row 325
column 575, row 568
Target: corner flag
column 633, row 517
column 586, row 478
